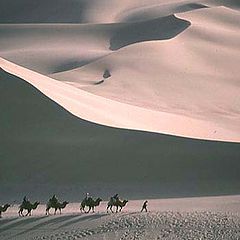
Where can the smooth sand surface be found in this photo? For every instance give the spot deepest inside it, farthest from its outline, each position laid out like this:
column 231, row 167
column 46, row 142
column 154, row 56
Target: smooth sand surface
column 179, row 70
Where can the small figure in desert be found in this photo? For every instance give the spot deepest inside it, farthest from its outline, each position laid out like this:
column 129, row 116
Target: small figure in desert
column 54, row 203
column 106, row 75
column 53, row 199
column 144, row 206
column 27, row 205
column 25, row 200
column 90, row 203
column 4, row 209
column 116, row 202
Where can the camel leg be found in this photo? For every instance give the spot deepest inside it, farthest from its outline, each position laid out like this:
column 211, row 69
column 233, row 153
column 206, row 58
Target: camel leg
column 93, row 209
column 60, row 210
column 120, row 209
column 111, row 209
column 89, row 208
column 55, row 211
column 47, row 211
column 81, row 209
column 0, row 214
column 20, row 213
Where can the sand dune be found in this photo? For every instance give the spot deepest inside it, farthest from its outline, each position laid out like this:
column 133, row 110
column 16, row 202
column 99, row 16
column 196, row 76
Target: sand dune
column 98, row 11
column 172, row 65
column 96, row 109
column 163, row 123
column 169, row 74
column 45, row 149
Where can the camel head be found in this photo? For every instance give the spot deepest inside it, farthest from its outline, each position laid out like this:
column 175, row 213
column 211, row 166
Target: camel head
column 6, row 206
column 65, row 203
column 125, row 202
column 35, row 205
column 97, row 202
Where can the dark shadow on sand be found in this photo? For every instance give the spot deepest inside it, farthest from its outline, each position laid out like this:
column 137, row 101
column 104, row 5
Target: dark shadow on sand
column 44, row 11
column 43, row 142
column 51, row 222
column 149, row 13
column 83, row 218
column 22, row 221
column 157, row 29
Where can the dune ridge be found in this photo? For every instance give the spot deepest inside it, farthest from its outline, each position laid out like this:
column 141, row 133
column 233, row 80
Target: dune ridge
column 139, row 98
column 96, row 109
column 45, row 150
column 162, row 59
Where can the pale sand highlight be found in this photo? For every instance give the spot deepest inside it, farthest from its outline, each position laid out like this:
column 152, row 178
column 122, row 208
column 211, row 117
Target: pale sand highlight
column 98, row 109
column 179, row 76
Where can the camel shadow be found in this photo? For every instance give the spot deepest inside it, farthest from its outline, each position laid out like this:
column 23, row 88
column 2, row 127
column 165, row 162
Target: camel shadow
column 157, row 29
column 21, row 222
column 81, row 219
column 49, row 222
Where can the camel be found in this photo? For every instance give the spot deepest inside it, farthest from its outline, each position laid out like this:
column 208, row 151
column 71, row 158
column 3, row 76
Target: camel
column 4, row 208
column 29, row 207
column 57, row 206
column 117, row 203
column 90, row 203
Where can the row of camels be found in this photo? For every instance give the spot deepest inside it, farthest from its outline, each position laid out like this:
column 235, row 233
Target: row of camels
column 89, row 203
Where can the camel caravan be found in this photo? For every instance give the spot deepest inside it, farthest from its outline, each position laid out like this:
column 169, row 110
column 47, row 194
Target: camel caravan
column 88, row 204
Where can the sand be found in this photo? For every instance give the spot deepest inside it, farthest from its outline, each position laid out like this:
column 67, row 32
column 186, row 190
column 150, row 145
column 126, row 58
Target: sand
column 177, row 62
column 187, row 218
column 164, row 126
column 47, row 150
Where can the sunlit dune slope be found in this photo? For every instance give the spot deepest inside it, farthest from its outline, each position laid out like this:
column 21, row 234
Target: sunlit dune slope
column 176, row 61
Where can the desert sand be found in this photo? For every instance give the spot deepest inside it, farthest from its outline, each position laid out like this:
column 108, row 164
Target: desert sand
column 177, row 62
column 165, row 124
column 186, row 218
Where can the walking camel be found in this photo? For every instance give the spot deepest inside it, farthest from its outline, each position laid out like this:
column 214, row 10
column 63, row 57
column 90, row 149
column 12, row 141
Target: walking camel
column 116, row 203
column 27, row 206
column 90, row 203
column 57, row 206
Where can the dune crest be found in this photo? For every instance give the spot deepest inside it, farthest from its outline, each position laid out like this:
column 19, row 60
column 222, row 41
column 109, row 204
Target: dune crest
column 96, row 109
column 173, row 66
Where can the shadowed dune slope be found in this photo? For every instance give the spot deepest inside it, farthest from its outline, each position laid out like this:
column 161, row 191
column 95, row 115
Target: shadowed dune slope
column 45, row 149
column 99, row 11
column 157, row 29
column 44, row 11
column 53, row 48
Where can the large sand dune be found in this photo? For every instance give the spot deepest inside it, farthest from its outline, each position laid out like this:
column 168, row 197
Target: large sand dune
column 45, row 149
column 182, row 67
column 166, row 123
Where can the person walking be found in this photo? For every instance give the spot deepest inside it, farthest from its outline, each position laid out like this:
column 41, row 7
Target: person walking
column 144, row 206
